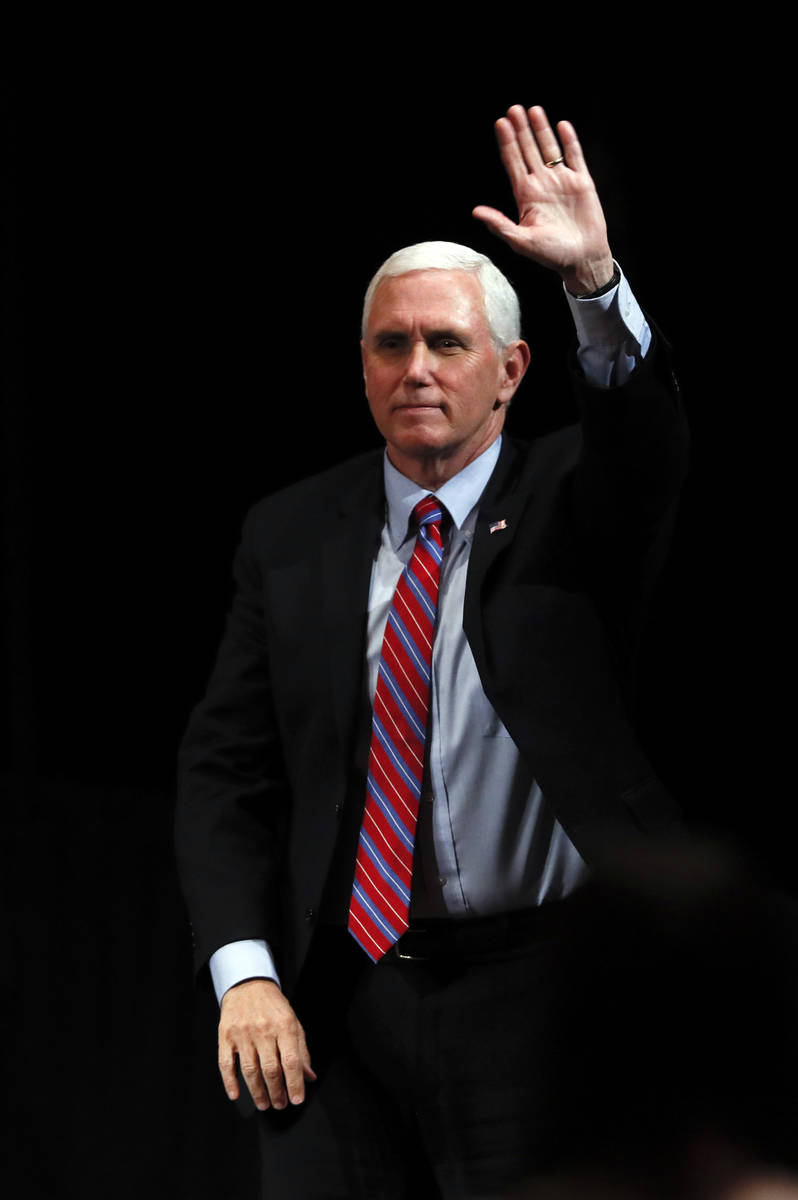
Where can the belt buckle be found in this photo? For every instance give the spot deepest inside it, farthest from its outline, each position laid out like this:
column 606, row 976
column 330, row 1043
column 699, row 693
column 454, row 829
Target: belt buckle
column 410, row 957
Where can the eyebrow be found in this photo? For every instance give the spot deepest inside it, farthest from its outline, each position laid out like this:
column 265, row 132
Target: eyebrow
column 432, row 335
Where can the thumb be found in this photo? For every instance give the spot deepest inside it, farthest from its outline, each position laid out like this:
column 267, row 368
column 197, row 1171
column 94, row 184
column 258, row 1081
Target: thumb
column 496, row 222
column 304, row 1054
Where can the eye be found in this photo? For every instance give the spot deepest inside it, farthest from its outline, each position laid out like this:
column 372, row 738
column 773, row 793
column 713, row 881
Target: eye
column 447, row 342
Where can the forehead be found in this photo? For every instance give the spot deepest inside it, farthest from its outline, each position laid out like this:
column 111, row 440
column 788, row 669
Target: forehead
column 439, row 298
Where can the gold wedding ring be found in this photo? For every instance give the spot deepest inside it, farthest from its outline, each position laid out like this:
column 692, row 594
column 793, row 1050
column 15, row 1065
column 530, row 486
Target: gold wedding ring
column 555, row 161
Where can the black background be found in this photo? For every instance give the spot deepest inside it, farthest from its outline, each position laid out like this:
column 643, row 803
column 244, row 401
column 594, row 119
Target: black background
column 191, row 217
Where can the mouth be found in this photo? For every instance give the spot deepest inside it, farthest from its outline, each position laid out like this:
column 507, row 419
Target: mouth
column 417, row 407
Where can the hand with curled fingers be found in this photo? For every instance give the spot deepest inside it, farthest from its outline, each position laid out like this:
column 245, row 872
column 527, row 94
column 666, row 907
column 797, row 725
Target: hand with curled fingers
column 560, row 220
column 258, row 1025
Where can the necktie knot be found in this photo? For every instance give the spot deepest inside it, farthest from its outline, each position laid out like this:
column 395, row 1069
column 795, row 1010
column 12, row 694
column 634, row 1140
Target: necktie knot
column 427, row 511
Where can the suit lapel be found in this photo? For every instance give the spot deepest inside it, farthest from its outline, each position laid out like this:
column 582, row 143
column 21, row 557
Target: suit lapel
column 498, row 523
column 347, row 558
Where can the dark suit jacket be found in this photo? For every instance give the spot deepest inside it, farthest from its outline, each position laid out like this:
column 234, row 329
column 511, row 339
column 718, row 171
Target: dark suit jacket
column 552, row 613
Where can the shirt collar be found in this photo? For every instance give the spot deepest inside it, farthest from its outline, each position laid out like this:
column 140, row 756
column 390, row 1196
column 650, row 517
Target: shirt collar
column 459, row 494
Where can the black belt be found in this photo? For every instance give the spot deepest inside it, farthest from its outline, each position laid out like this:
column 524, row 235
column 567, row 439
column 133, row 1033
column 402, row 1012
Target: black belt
column 451, row 938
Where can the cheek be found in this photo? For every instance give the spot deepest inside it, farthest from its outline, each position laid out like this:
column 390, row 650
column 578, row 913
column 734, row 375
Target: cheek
column 379, row 383
column 471, row 387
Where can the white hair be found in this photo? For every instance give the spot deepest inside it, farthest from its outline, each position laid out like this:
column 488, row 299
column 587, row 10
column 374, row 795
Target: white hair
column 501, row 303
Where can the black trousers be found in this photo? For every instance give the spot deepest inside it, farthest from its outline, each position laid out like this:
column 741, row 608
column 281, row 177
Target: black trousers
column 437, row 1076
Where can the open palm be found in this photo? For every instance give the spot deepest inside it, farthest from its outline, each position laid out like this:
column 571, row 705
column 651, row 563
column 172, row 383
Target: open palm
column 560, row 220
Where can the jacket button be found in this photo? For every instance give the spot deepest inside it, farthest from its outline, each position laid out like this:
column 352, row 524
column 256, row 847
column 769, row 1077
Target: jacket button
column 310, row 914
column 339, row 808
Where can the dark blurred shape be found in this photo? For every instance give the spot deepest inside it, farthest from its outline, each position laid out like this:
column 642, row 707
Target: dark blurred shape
column 676, row 1048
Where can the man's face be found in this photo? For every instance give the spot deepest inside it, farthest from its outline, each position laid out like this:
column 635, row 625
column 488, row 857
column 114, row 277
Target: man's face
column 436, row 385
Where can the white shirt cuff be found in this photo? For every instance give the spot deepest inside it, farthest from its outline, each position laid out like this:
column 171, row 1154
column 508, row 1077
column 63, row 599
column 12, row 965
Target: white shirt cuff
column 612, row 332
column 237, row 961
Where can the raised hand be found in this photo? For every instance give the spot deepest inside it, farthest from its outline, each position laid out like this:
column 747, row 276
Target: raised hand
column 560, row 220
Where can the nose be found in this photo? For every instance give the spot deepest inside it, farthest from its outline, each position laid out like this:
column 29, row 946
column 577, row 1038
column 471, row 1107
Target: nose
column 418, row 369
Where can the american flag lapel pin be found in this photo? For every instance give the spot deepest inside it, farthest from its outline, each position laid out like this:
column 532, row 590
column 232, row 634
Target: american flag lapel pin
column 497, row 525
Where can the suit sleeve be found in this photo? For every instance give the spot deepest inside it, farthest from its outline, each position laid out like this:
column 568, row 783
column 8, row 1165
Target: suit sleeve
column 612, row 333
column 232, row 804
column 634, row 451
column 631, row 466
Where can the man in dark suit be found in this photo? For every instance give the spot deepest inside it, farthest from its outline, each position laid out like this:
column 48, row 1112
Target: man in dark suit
column 432, row 1062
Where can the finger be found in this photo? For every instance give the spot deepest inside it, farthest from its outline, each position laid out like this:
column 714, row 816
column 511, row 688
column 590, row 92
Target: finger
column 571, row 146
column 252, row 1072
column 227, row 1070
column 271, row 1074
column 292, row 1066
column 529, row 146
column 510, row 152
column 545, row 136
column 295, row 1060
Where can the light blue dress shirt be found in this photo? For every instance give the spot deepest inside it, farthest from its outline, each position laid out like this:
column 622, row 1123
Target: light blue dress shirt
column 487, row 841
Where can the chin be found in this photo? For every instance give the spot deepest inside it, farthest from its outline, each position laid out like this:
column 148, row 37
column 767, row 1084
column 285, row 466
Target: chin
column 420, row 447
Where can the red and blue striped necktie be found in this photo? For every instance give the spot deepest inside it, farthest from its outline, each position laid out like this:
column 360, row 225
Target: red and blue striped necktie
column 378, row 911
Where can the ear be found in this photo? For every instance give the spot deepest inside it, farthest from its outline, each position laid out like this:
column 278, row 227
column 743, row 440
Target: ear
column 515, row 362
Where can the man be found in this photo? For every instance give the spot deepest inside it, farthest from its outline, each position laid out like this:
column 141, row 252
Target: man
column 429, row 1043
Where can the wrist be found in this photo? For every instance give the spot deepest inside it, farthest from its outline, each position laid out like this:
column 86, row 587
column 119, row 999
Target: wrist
column 243, row 985
column 591, row 279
